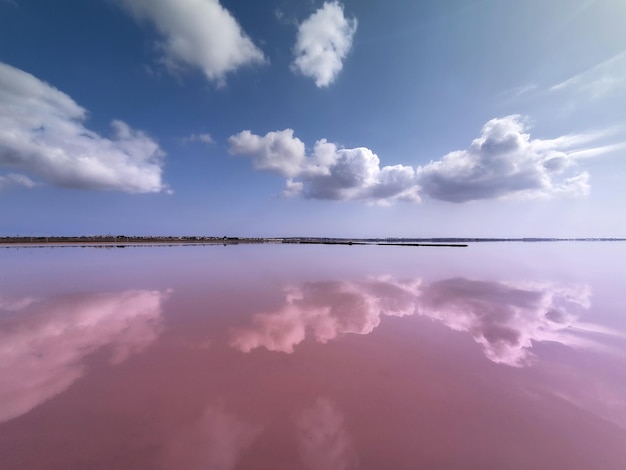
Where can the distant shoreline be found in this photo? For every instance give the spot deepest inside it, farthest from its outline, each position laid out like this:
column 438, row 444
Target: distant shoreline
column 123, row 241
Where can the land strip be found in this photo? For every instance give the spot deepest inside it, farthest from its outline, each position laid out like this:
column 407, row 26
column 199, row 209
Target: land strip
column 123, row 240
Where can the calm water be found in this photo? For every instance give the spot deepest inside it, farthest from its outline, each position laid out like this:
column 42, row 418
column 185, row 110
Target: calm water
column 316, row 357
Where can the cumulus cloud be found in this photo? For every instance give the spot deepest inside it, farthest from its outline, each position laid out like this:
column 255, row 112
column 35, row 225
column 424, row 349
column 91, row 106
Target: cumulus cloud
column 323, row 439
column 214, row 441
column 326, row 310
column 277, row 151
column 43, row 342
column 42, row 133
column 324, row 40
column 328, row 172
column 199, row 34
column 504, row 162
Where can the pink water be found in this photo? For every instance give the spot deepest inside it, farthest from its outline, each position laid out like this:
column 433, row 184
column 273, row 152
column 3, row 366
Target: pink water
column 317, row 357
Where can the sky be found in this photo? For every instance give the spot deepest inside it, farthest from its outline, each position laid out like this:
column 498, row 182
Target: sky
column 361, row 118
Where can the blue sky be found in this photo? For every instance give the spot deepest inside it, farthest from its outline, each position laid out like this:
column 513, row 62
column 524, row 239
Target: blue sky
column 356, row 118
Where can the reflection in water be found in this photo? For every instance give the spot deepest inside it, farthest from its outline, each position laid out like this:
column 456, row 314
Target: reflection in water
column 430, row 387
column 216, row 440
column 13, row 305
column 505, row 318
column 327, row 309
column 43, row 343
column 323, row 440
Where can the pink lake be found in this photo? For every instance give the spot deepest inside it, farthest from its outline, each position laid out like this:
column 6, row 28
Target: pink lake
column 495, row 356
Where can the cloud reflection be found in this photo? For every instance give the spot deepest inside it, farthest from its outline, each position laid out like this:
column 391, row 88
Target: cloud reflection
column 214, row 441
column 43, row 343
column 326, row 310
column 323, row 440
column 505, row 318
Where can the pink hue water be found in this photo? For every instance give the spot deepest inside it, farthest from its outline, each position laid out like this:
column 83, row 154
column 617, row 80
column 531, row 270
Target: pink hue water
column 495, row 356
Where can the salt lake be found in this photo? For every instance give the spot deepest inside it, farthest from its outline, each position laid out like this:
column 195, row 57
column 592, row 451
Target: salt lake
column 498, row 355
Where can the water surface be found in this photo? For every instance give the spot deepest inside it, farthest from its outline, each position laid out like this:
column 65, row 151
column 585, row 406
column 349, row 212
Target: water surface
column 320, row 357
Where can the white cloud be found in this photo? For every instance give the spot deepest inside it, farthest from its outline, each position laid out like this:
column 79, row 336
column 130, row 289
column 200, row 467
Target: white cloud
column 600, row 81
column 514, row 93
column 284, row 18
column 505, row 163
column 293, row 188
column 328, row 172
column 597, row 151
column 276, row 151
column 42, row 134
column 200, row 34
column 43, row 343
column 324, row 40
column 203, row 138
column 16, row 179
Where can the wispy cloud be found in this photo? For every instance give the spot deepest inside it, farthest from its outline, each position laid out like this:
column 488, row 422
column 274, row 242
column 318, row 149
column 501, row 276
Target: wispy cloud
column 514, row 94
column 324, row 41
column 16, row 180
column 9, row 304
column 503, row 162
column 216, row 440
column 42, row 134
column 597, row 151
column 199, row 34
column 323, row 438
column 202, row 138
column 600, row 81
